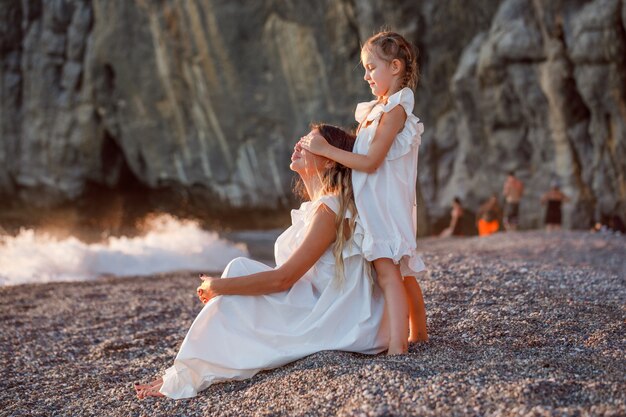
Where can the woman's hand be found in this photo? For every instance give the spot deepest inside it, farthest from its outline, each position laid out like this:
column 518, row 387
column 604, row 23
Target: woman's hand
column 314, row 143
column 205, row 293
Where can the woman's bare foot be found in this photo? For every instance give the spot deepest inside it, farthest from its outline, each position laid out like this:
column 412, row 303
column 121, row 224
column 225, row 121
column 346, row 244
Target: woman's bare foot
column 150, row 392
column 150, row 385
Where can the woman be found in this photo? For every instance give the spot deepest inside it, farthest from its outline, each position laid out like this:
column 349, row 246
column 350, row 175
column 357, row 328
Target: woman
column 554, row 198
column 319, row 297
column 456, row 214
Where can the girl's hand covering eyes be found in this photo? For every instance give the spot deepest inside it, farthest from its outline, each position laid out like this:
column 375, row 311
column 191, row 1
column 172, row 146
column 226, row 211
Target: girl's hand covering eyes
column 314, row 143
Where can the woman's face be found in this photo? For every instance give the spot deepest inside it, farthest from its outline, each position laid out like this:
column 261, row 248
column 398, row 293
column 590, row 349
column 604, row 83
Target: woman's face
column 305, row 163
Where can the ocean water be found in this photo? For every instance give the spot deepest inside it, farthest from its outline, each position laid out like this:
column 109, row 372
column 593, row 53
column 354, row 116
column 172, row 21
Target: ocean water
column 167, row 244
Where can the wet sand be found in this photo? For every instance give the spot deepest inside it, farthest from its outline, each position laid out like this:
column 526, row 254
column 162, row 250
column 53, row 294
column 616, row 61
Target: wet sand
column 524, row 324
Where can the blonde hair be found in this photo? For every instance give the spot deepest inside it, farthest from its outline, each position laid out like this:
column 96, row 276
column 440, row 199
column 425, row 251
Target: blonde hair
column 337, row 180
column 391, row 45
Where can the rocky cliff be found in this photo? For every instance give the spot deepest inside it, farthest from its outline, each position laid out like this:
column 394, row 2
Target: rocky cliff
column 209, row 96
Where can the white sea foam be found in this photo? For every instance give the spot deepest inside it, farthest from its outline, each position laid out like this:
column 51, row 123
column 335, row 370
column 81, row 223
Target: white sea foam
column 168, row 245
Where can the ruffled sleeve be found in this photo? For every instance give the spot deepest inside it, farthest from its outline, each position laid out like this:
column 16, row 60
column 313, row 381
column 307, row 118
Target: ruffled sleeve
column 404, row 98
column 331, row 201
column 411, row 135
column 307, row 210
column 363, row 110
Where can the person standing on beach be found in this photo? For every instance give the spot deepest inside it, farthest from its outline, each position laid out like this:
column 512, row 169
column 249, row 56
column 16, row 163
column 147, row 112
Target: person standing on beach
column 384, row 178
column 512, row 190
column 553, row 199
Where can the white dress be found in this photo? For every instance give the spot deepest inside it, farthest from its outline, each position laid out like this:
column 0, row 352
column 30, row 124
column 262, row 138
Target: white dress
column 386, row 199
column 234, row 337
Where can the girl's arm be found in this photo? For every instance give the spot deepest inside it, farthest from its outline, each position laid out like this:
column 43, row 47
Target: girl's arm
column 391, row 124
column 320, row 234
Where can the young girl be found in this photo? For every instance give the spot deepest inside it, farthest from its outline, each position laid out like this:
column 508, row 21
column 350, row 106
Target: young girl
column 384, row 179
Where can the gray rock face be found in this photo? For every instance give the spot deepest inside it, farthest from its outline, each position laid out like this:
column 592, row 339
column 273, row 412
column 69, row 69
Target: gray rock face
column 541, row 92
column 210, row 97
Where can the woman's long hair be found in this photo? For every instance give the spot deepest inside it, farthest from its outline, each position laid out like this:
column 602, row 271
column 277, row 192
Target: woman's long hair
column 336, row 180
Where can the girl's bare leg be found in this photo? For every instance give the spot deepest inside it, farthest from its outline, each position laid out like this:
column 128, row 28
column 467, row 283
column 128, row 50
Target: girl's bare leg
column 417, row 310
column 390, row 281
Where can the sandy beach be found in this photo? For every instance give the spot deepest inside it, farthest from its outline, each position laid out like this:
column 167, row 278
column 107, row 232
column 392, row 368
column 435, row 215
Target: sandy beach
column 523, row 324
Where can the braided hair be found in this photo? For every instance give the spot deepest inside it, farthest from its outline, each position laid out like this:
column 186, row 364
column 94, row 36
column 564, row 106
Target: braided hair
column 391, row 45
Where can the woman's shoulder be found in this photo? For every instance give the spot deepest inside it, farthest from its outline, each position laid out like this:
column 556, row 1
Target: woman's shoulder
column 329, row 201
column 307, row 209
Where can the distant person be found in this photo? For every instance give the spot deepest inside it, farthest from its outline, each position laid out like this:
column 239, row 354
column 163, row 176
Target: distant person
column 488, row 216
column 512, row 191
column 610, row 224
column 456, row 214
column 616, row 224
column 553, row 199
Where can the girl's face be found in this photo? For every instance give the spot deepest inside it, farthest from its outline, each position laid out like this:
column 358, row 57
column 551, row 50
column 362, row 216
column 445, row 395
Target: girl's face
column 382, row 76
column 305, row 163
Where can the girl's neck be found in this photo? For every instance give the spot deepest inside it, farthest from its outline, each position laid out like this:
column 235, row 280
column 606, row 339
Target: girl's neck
column 390, row 92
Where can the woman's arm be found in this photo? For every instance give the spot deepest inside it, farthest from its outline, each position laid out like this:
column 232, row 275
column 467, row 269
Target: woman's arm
column 390, row 125
column 320, row 234
column 453, row 223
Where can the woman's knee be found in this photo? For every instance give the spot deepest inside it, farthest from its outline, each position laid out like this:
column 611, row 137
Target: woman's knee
column 236, row 267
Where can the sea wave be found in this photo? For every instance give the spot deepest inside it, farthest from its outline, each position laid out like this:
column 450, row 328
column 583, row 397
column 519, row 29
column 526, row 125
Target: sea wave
column 168, row 244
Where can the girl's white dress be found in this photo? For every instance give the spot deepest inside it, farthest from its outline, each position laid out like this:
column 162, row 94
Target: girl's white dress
column 234, row 337
column 386, row 199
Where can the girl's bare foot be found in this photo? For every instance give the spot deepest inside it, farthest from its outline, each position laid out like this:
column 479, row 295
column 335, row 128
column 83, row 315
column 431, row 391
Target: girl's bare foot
column 418, row 338
column 398, row 350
